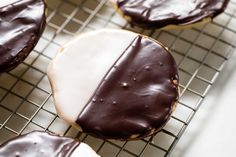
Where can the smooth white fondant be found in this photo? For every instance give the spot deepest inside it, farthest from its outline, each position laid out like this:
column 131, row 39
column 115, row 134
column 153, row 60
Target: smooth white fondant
column 84, row 151
column 81, row 65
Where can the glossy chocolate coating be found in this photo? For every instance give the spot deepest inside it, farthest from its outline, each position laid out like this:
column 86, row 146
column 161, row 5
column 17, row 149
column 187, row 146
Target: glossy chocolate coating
column 38, row 144
column 21, row 25
column 161, row 13
column 137, row 95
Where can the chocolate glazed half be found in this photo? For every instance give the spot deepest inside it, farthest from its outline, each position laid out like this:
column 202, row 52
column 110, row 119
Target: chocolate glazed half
column 137, row 95
column 39, row 144
column 161, row 13
column 21, row 26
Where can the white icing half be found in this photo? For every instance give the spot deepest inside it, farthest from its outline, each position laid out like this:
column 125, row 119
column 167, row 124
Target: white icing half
column 7, row 2
column 78, row 69
column 83, row 150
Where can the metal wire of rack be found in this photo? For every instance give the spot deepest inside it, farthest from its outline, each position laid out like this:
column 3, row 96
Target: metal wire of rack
column 200, row 52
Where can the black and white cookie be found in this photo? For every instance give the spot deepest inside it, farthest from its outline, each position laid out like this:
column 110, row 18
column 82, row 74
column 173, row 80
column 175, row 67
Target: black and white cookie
column 21, row 26
column 41, row 144
column 171, row 13
column 114, row 84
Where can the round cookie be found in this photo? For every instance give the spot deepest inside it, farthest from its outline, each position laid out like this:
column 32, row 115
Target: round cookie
column 169, row 13
column 21, row 26
column 114, row 84
column 41, row 144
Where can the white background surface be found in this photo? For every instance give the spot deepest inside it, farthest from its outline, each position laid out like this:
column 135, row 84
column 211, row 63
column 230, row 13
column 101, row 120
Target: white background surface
column 6, row 2
column 212, row 133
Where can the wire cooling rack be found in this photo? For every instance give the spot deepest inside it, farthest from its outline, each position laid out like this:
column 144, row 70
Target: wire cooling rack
column 201, row 53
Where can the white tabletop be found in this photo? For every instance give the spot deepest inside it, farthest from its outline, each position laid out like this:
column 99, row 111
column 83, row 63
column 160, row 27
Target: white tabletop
column 212, row 133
